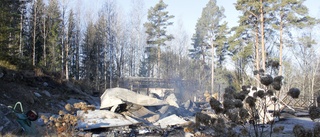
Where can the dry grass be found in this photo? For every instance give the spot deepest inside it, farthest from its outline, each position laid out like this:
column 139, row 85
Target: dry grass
column 8, row 65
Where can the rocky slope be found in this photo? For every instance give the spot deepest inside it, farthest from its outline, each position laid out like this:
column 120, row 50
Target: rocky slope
column 41, row 91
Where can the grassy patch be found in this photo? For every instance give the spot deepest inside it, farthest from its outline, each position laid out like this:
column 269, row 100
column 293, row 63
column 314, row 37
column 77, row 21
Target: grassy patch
column 8, row 65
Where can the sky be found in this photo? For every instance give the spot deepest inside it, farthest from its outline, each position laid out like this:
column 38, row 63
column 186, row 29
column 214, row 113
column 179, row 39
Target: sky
column 187, row 11
column 190, row 10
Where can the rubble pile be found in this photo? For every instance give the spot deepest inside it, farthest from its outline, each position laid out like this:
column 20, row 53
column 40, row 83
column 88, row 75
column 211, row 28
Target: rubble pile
column 123, row 111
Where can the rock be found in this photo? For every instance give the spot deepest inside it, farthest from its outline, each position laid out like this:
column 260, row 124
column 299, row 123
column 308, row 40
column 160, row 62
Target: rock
column 39, row 122
column 73, row 101
column 37, row 94
column 47, row 93
column 8, row 123
column 1, row 74
column 29, row 97
column 94, row 101
column 45, row 84
column 28, row 73
column 84, row 134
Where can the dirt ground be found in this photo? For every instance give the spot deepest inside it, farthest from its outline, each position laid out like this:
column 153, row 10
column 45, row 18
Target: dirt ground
column 31, row 88
column 36, row 90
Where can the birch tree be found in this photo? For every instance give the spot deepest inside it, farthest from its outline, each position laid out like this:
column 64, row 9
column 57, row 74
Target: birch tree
column 64, row 41
column 136, row 36
column 181, row 43
column 110, row 48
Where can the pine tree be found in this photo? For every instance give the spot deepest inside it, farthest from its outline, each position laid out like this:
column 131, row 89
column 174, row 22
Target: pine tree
column 210, row 37
column 256, row 16
column 253, row 16
column 158, row 21
column 289, row 13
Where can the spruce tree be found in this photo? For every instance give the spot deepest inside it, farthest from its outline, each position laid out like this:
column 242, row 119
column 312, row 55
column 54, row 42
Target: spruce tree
column 54, row 29
column 9, row 26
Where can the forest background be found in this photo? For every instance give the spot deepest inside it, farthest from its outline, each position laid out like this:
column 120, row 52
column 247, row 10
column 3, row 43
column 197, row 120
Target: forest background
column 58, row 36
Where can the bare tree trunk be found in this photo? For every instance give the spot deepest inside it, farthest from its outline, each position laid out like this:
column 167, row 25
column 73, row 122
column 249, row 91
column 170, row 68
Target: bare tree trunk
column 65, row 43
column 105, row 66
column 20, row 35
column 105, row 59
column 135, row 60
column 159, row 60
column 281, row 46
column 212, row 69
column 257, row 59
column 131, row 65
column 110, row 66
column 78, row 40
column 67, row 56
column 97, row 69
column 34, row 34
column 78, row 56
column 44, row 42
column 63, row 46
column 262, row 36
column 314, row 72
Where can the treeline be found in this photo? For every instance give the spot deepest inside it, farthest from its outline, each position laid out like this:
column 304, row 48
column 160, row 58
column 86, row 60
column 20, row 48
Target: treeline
column 60, row 37
column 273, row 37
column 98, row 50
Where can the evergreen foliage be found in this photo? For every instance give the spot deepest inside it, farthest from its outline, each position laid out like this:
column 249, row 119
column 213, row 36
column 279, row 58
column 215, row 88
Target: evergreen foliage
column 101, row 50
column 209, row 39
column 9, row 25
column 156, row 29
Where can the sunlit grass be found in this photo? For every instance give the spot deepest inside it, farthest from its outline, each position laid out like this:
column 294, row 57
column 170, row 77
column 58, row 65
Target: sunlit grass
column 7, row 65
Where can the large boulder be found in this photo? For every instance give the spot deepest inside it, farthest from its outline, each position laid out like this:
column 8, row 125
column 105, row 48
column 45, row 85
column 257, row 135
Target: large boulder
column 8, row 123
